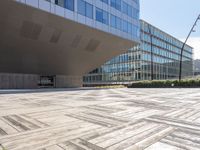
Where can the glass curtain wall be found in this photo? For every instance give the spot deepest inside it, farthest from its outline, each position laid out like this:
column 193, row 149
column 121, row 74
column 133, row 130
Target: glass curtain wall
column 120, row 16
column 135, row 64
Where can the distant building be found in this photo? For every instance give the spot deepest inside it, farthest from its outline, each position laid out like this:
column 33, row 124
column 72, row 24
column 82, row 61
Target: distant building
column 55, row 42
column 197, row 67
column 135, row 65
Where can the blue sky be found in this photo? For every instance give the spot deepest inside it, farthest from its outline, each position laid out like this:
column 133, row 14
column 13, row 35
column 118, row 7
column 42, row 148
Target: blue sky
column 175, row 17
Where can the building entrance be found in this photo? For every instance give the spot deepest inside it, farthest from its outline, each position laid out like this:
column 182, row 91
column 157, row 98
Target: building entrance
column 47, row 81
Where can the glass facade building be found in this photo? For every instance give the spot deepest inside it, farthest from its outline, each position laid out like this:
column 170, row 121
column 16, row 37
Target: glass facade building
column 157, row 56
column 119, row 17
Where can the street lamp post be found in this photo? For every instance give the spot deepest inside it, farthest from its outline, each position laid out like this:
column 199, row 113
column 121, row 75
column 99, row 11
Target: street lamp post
column 181, row 57
column 151, row 41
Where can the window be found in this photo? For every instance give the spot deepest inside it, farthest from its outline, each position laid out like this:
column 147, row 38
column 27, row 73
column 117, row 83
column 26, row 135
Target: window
column 116, row 4
column 89, row 10
column 81, row 7
column 105, row 1
column 125, row 26
column 135, row 13
column 136, row 1
column 129, row 28
column 115, row 22
column 112, row 21
column 59, row 3
column 69, row 4
column 135, row 31
column 85, row 9
column 128, row 9
column 102, row 16
column 118, row 23
column 125, row 8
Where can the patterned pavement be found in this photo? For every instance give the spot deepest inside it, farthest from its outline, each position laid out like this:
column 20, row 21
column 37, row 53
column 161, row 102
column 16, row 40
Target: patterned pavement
column 100, row 119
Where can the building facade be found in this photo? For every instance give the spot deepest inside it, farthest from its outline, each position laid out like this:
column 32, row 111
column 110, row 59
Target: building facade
column 58, row 41
column 119, row 17
column 156, row 57
column 197, row 67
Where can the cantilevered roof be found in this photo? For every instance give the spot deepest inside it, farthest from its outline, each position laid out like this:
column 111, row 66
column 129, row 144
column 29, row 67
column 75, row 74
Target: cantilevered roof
column 37, row 42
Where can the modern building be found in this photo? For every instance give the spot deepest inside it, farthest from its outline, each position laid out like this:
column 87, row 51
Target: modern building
column 157, row 57
column 56, row 42
column 197, row 67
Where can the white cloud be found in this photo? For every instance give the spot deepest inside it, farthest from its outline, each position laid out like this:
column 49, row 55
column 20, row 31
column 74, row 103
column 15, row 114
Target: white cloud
column 195, row 43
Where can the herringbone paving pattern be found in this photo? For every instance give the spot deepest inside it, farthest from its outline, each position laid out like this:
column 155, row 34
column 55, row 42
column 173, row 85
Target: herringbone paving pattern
column 101, row 119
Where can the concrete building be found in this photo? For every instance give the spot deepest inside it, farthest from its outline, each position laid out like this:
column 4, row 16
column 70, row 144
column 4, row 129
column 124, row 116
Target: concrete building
column 55, row 42
column 156, row 46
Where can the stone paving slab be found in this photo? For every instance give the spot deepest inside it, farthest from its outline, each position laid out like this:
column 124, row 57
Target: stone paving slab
column 100, row 119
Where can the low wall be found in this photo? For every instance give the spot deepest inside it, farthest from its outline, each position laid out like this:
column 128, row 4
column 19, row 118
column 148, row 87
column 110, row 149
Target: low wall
column 30, row 81
column 68, row 81
column 18, row 81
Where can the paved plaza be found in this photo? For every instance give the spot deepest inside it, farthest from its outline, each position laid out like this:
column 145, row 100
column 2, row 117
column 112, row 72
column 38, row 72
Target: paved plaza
column 100, row 119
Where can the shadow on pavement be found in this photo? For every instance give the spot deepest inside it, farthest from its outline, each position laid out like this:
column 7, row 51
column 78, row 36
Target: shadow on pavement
column 21, row 91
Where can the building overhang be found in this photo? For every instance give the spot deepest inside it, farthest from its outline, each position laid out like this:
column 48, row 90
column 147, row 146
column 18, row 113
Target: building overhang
column 37, row 42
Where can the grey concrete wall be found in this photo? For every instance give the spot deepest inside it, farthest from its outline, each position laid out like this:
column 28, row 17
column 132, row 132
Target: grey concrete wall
column 18, row 81
column 30, row 81
column 68, row 81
